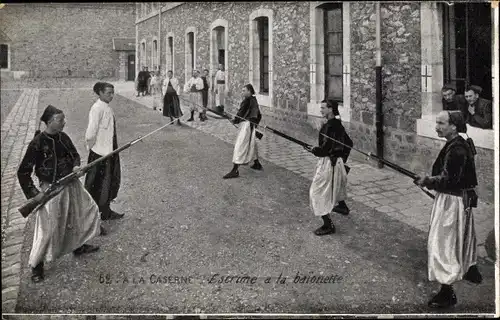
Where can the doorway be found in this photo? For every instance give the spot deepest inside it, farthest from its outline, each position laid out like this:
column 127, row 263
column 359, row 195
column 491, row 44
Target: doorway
column 131, row 67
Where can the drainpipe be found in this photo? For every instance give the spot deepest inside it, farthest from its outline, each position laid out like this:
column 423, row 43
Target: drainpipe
column 159, row 36
column 137, row 48
column 379, row 120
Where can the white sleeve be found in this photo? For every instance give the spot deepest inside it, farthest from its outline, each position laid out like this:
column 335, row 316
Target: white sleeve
column 187, row 86
column 199, row 84
column 175, row 84
column 165, row 85
column 95, row 116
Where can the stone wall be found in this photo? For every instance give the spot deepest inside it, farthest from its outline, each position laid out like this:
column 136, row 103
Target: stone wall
column 66, row 40
column 290, row 55
column 400, row 35
column 401, row 60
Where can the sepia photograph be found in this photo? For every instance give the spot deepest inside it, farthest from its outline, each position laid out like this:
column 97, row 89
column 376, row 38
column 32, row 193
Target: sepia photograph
column 249, row 160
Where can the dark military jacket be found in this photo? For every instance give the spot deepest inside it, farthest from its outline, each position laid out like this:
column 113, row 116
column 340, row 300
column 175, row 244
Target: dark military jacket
column 52, row 157
column 249, row 110
column 454, row 169
column 328, row 148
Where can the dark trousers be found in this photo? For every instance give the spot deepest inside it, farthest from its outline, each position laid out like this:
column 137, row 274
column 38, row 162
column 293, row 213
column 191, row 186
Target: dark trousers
column 103, row 181
column 204, row 98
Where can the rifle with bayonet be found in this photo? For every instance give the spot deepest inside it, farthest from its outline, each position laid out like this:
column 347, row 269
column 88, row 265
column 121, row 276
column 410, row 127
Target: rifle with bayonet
column 386, row 162
column 34, row 204
column 279, row 133
column 224, row 115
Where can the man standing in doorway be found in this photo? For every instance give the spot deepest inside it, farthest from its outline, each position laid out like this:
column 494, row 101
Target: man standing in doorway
column 194, row 87
column 219, row 88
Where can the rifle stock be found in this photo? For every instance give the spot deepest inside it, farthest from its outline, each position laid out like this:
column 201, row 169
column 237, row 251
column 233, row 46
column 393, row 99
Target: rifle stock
column 28, row 207
column 32, row 204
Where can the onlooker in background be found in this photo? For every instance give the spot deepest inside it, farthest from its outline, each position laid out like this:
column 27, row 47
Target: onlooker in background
column 204, row 94
column 149, row 82
column 479, row 110
column 142, row 81
column 451, row 100
column 155, row 89
column 171, row 104
column 219, row 88
column 193, row 88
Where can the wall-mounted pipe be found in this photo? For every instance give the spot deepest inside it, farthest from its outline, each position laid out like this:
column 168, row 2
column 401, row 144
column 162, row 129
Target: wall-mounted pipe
column 158, row 53
column 379, row 117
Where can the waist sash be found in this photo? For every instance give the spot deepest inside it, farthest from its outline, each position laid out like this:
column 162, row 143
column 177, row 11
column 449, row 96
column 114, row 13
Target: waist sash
column 221, row 82
column 468, row 195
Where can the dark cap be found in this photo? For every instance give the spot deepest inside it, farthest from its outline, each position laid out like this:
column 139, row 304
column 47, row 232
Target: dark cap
column 332, row 104
column 476, row 89
column 49, row 112
column 457, row 118
column 449, row 86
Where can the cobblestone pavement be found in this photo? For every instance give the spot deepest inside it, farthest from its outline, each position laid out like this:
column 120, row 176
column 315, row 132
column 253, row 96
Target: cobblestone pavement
column 383, row 190
column 17, row 131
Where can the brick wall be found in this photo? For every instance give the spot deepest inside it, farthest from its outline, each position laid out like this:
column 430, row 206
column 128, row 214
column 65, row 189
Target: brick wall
column 66, row 40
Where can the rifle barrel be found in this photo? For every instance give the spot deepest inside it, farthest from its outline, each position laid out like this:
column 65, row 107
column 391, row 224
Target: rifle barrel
column 32, row 205
column 284, row 135
column 279, row 133
column 388, row 163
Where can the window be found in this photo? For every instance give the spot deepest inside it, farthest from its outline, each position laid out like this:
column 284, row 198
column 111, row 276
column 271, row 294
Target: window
column 189, row 51
column 154, row 55
column 143, row 54
column 190, row 40
column 263, row 30
column 220, row 45
column 4, row 56
column 333, row 52
column 467, row 46
column 170, row 53
column 260, row 57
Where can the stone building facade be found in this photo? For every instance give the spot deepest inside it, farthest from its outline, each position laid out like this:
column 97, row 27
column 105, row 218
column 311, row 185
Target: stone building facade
column 306, row 51
column 65, row 39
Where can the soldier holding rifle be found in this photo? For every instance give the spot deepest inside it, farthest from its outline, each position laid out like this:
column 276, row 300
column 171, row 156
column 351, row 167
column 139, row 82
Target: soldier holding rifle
column 245, row 147
column 330, row 179
column 452, row 243
column 70, row 219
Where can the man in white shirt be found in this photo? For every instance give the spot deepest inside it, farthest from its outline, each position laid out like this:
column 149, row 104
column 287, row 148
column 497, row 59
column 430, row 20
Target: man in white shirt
column 103, row 180
column 220, row 88
column 194, row 87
